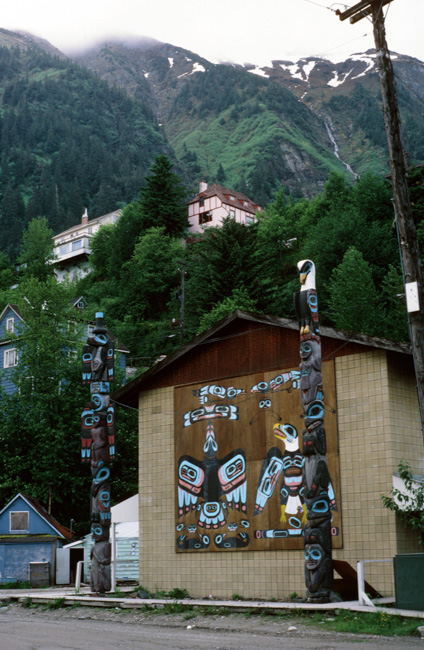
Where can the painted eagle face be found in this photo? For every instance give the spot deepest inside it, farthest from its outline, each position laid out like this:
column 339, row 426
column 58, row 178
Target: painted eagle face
column 285, row 432
column 307, row 274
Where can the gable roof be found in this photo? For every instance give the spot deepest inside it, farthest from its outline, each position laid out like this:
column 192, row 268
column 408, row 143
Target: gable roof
column 128, row 394
column 60, row 531
column 91, row 222
column 224, row 194
column 13, row 307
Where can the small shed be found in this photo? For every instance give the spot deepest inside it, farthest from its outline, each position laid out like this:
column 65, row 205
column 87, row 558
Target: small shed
column 124, row 517
column 29, row 538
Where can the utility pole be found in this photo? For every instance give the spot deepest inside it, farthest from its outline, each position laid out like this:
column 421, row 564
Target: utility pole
column 409, row 251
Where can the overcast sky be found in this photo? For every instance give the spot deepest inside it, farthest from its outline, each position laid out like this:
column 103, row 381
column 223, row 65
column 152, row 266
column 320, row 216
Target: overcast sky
column 244, row 31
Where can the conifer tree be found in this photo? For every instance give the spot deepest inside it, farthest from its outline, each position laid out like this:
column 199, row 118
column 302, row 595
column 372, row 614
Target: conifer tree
column 162, row 201
column 36, row 253
column 353, row 297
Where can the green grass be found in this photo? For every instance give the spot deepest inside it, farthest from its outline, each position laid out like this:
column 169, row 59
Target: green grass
column 377, row 623
column 178, row 593
column 27, row 602
column 237, row 597
column 16, row 585
column 57, row 603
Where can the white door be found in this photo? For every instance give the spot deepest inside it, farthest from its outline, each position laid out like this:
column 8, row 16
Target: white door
column 62, row 566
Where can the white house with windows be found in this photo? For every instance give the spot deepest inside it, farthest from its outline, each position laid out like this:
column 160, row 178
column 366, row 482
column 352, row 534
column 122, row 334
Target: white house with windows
column 215, row 203
column 72, row 247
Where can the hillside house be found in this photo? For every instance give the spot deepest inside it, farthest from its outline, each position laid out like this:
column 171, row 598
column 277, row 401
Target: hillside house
column 29, row 538
column 215, row 203
column 72, row 246
column 223, row 392
column 12, row 322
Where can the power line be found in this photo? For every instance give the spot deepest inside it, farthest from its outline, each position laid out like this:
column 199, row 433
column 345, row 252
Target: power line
column 324, row 6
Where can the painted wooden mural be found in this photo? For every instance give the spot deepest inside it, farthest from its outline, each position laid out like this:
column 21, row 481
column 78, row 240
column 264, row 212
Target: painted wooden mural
column 240, row 464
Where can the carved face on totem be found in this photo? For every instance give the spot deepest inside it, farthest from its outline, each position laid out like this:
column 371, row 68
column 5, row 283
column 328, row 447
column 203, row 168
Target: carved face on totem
column 314, row 555
column 314, row 416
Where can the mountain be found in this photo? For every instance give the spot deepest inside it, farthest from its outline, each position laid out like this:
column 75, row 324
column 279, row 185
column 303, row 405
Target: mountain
column 83, row 132
column 257, row 128
column 25, row 41
column 223, row 122
column 346, row 95
column 68, row 140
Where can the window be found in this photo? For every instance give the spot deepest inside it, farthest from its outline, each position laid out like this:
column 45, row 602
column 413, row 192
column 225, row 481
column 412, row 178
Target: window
column 204, row 217
column 63, row 249
column 19, row 521
column 10, row 325
column 232, row 198
column 232, row 214
column 10, row 358
column 76, row 244
column 90, row 329
column 249, row 220
column 202, row 201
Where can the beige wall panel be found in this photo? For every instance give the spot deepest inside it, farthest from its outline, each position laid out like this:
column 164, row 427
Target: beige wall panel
column 378, row 423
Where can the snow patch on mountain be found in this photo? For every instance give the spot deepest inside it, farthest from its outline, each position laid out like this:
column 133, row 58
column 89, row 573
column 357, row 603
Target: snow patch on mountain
column 259, row 71
column 338, row 78
column 197, row 67
column 294, row 69
column 307, row 69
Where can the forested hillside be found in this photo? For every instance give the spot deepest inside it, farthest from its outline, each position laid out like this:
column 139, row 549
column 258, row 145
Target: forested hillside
column 68, row 141
column 348, row 230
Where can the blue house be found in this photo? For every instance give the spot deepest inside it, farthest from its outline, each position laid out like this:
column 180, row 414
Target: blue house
column 29, row 538
column 12, row 322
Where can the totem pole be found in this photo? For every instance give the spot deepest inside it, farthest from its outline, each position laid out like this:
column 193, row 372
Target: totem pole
column 98, row 447
column 317, row 484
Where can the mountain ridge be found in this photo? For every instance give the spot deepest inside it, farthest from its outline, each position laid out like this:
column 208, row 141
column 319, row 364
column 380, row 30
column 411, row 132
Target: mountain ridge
column 257, row 128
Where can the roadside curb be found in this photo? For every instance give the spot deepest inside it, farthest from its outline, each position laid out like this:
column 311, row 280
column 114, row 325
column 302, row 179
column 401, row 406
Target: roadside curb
column 88, row 600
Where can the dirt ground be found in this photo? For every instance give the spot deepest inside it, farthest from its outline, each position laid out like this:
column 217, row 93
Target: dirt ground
column 92, row 628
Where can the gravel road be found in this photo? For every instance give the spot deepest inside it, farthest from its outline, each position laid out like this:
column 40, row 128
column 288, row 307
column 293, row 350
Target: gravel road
column 84, row 628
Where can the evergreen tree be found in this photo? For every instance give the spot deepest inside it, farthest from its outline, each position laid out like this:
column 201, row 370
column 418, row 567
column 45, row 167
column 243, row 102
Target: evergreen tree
column 219, row 262
column 239, row 299
column 162, row 201
column 354, row 300
column 36, row 253
column 396, row 316
column 11, row 221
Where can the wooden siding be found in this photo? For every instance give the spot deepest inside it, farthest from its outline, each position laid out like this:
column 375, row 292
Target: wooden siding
column 244, row 348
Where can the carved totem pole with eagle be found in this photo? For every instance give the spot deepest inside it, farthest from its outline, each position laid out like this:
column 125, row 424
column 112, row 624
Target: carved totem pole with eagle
column 317, row 484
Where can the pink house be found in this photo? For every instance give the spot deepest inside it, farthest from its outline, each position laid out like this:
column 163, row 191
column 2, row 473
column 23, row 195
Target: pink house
column 213, row 204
